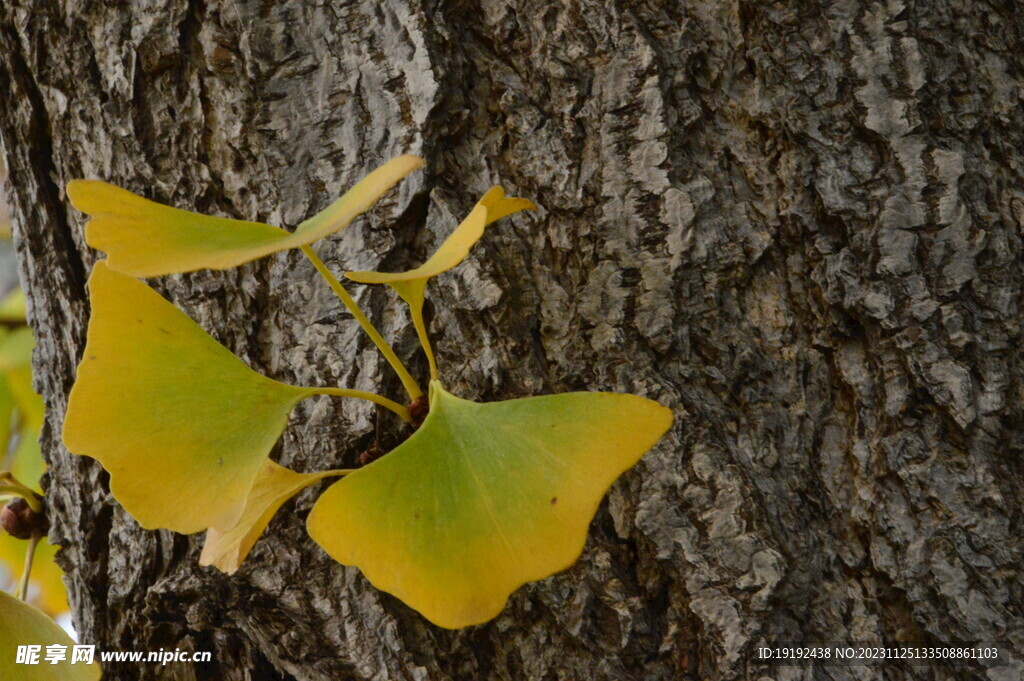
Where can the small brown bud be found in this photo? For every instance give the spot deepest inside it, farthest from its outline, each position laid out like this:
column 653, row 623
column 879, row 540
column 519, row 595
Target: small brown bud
column 418, row 410
column 370, row 455
column 21, row 522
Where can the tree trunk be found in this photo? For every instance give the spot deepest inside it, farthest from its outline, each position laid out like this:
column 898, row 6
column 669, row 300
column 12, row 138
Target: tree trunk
column 799, row 228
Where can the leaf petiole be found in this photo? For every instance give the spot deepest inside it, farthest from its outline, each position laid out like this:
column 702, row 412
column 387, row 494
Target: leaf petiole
column 408, row 381
column 30, row 553
column 336, row 473
column 414, row 294
column 403, row 412
column 10, row 485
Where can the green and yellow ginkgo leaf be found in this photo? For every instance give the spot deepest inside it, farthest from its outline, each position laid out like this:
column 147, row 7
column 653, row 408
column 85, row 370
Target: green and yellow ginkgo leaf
column 148, row 239
column 12, row 307
column 412, row 284
column 8, row 410
column 23, row 625
column 46, row 586
column 16, row 367
column 18, row 401
column 275, row 484
column 21, row 416
column 181, row 424
column 484, row 497
column 46, row 590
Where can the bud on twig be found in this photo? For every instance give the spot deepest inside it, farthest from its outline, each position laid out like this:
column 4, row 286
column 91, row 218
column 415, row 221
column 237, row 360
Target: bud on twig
column 21, row 522
column 418, row 410
column 371, row 454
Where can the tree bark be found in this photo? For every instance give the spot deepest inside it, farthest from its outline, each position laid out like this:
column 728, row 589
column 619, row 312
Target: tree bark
column 797, row 224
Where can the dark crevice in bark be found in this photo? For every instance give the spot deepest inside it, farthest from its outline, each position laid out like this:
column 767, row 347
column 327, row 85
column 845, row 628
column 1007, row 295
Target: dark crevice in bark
column 40, row 156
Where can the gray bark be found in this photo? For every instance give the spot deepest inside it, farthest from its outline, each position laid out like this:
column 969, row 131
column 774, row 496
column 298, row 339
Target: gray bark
column 799, row 225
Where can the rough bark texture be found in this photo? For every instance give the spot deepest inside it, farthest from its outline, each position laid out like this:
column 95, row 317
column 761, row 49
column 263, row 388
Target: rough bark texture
column 799, row 226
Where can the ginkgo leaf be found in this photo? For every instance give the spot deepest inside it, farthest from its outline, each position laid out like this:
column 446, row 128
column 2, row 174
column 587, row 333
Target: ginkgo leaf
column 16, row 366
column 27, row 465
column 47, row 590
column 180, row 423
column 8, row 407
column 20, row 407
column 484, row 497
column 275, row 484
column 148, row 239
column 12, row 308
column 46, row 587
column 23, row 625
column 411, row 285
column 16, row 349
column 48, row 578
column 493, row 206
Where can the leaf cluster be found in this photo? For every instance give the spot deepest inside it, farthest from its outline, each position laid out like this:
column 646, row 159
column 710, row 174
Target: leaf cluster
column 478, row 500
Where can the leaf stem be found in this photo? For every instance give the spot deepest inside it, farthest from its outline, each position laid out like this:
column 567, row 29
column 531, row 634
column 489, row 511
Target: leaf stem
column 421, row 330
column 10, row 484
column 30, row 553
column 402, row 411
column 408, row 381
column 413, row 292
column 339, row 472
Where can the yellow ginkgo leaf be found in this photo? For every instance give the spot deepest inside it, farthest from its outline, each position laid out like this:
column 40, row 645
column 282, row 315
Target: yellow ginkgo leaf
column 46, row 587
column 23, row 625
column 16, row 349
column 27, row 465
column 180, row 423
column 493, row 206
column 484, row 497
column 275, row 484
column 16, row 366
column 411, row 285
column 52, row 597
column 148, row 239
column 12, row 307
column 8, row 409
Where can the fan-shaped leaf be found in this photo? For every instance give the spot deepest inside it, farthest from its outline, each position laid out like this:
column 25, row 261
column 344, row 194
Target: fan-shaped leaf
column 8, row 409
column 180, row 423
column 46, row 588
column 275, row 484
column 148, row 239
column 16, row 366
column 27, row 465
column 12, row 308
column 484, row 497
column 411, row 285
column 493, row 206
column 22, row 625
column 20, row 406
